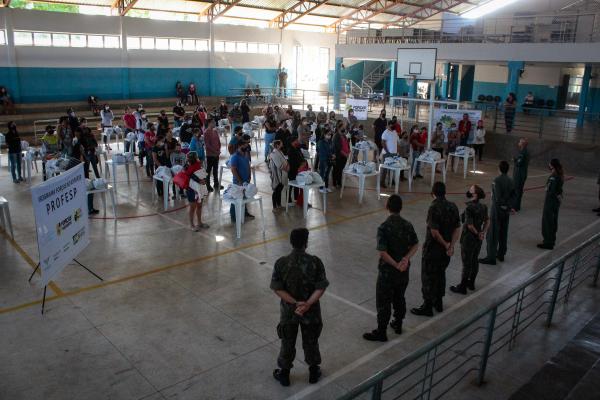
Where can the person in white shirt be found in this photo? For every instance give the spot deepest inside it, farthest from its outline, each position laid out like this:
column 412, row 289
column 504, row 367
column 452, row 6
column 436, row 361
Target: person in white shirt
column 107, row 117
column 389, row 144
column 479, row 139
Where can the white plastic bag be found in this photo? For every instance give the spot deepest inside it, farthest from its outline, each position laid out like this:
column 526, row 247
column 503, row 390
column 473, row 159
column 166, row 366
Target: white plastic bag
column 99, row 184
column 304, row 178
column 163, row 173
column 233, row 192
column 119, row 158
column 250, row 190
column 176, row 169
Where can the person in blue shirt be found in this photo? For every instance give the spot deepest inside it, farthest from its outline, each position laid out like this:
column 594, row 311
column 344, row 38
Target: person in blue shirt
column 326, row 156
column 240, row 168
column 197, row 144
column 235, row 138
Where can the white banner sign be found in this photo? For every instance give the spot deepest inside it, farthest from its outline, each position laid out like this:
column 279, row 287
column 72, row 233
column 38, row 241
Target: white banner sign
column 359, row 106
column 448, row 117
column 61, row 219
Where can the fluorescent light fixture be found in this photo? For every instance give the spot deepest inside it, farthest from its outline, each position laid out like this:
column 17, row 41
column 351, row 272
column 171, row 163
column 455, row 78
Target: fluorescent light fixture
column 489, row 7
column 219, row 238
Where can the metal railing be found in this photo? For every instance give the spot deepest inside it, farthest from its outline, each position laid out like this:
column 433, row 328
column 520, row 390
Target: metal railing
column 436, row 368
column 298, row 98
column 556, row 28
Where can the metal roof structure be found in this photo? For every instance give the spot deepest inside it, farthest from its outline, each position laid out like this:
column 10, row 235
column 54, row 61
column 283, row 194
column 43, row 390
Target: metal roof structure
column 329, row 15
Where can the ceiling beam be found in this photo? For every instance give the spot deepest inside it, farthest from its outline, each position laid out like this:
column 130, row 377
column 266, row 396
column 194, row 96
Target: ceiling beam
column 295, row 12
column 427, row 11
column 123, row 6
column 218, row 8
column 365, row 13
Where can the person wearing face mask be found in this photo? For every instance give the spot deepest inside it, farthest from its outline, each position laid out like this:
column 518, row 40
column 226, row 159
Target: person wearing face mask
column 479, row 139
column 278, row 168
column 554, row 193
column 65, row 136
column 521, row 165
column 212, row 142
column 106, row 122
column 235, row 116
column 89, row 145
column 129, row 122
column 163, row 123
column 241, row 171
column 149, row 143
column 443, row 230
column 321, row 116
column 475, row 225
column 389, row 144
column 13, row 141
column 178, row 114
column 341, row 148
column 197, row 144
column 73, row 120
column 77, row 157
column 270, row 127
column 304, row 133
column 160, row 158
column 379, row 126
column 310, row 115
column 326, row 160
column 186, row 132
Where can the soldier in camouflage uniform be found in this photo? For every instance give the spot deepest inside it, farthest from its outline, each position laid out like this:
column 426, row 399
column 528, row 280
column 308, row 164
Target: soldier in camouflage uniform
column 503, row 199
column 443, row 230
column 552, row 201
column 475, row 225
column 299, row 280
column 397, row 242
column 520, row 172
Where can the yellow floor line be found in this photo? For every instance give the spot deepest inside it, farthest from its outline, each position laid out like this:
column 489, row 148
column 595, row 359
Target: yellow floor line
column 187, row 262
column 29, row 261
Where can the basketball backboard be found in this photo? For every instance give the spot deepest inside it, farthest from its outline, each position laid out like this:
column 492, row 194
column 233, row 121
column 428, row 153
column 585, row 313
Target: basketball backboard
column 416, row 62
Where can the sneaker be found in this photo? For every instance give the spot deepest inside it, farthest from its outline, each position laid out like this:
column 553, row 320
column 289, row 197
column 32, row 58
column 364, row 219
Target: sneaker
column 425, row 310
column 283, row 376
column 322, row 190
column 460, row 289
column 396, row 326
column 210, row 189
column 375, row 336
column 329, row 190
column 314, row 373
column 93, row 211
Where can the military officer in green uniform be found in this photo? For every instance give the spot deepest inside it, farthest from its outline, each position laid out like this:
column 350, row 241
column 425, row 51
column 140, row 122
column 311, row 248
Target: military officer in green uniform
column 503, row 199
column 443, row 230
column 299, row 280
column 554, row 191
column 520, row 171
column 397, row 242
column 475, row 225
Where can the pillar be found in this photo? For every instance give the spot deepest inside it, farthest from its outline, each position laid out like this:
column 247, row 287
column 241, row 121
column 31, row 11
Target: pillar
column 392, row 82
column 412, row 93
column 583, row 96
column 514, row 71
column 13, row 70
column 125, row 94
column 337, row 82
column 445, row 79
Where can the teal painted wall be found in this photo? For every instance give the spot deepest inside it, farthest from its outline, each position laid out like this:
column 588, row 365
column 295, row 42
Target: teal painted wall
column 497, row 89
column 354, row 72
column 71, row 84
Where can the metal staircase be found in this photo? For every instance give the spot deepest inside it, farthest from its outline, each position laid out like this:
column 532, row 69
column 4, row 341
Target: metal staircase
column 371, row 79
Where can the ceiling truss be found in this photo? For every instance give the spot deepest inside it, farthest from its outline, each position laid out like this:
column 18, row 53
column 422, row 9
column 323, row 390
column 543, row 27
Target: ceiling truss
column 123, row 6
column 218, row 8
column 427, row 11
column 295, row 12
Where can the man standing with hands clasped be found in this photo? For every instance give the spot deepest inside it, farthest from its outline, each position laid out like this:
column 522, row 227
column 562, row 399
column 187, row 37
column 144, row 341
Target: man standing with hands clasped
column 443, row 230
column 397, row 242
column 299, row 280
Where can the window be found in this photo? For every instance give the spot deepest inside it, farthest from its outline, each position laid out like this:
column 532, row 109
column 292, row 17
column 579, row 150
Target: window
column 42, row 39
column 161, row 44
column 112, row 42
column 175, row 44
column 323, row 64
column 252, row 47
column 202, row 45
column 148, row 43
column 189, row 44
column 133, row 43
column 78, row 41
column 60, row 40
column 230, row 47
column 263, row 48
column 23, row 39
column 273, row 49
column 2, row 37
column 242, row 47
column 95, row 41
column 219, row 46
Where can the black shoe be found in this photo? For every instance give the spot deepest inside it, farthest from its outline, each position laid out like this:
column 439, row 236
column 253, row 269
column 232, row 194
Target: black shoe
column 424, row 310
column 487, row 261
column 471, row 285
column 93, row 211
column 500, row 258
column 545, row 246
column 249, row 216
column 375, row 336
column 210, row 189
column 283, row 376
column 397, row 326
column 439, row 306
column 460, row 289
column 314, row 373
column 221, row 187
column 596, row 210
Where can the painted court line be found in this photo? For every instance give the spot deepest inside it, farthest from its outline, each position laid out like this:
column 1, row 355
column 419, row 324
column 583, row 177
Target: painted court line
column 368, row 357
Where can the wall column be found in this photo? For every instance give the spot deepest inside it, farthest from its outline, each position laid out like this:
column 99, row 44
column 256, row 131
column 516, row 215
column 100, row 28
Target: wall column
column 125, row 93
column 583, row 96
column 212, row 84
column 337, row 82
column 514, row 71
column 13, row 71
column 392, row 81
column 445, row 79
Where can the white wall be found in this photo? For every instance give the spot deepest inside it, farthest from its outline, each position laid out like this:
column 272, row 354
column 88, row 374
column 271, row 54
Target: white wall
column 541, row 75
column 491, row 73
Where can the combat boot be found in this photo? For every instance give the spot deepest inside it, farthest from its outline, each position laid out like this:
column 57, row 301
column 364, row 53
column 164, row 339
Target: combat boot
column 283, row 376
column 471, row 285
column 424, row 310
column 397, row 326
column 314, row 373
column 438, row 305
column 460, row 288
column 376, row 336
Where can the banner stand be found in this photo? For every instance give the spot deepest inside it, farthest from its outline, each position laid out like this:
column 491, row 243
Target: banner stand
column 46, row 286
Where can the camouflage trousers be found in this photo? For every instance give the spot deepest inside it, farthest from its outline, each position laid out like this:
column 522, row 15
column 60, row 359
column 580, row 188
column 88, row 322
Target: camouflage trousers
column 288, row 332
column 433, row 276
column 469, row 252
column 391, row 286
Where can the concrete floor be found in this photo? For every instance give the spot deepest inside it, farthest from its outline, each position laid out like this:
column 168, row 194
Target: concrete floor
column 190, row 315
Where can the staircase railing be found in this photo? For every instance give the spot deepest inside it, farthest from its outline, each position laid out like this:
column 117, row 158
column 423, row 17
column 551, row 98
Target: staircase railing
column 375, row 76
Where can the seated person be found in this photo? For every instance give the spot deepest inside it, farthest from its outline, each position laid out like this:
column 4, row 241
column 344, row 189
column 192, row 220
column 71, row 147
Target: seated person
column 529, row 102
column 7, row 103
column 93, row 104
